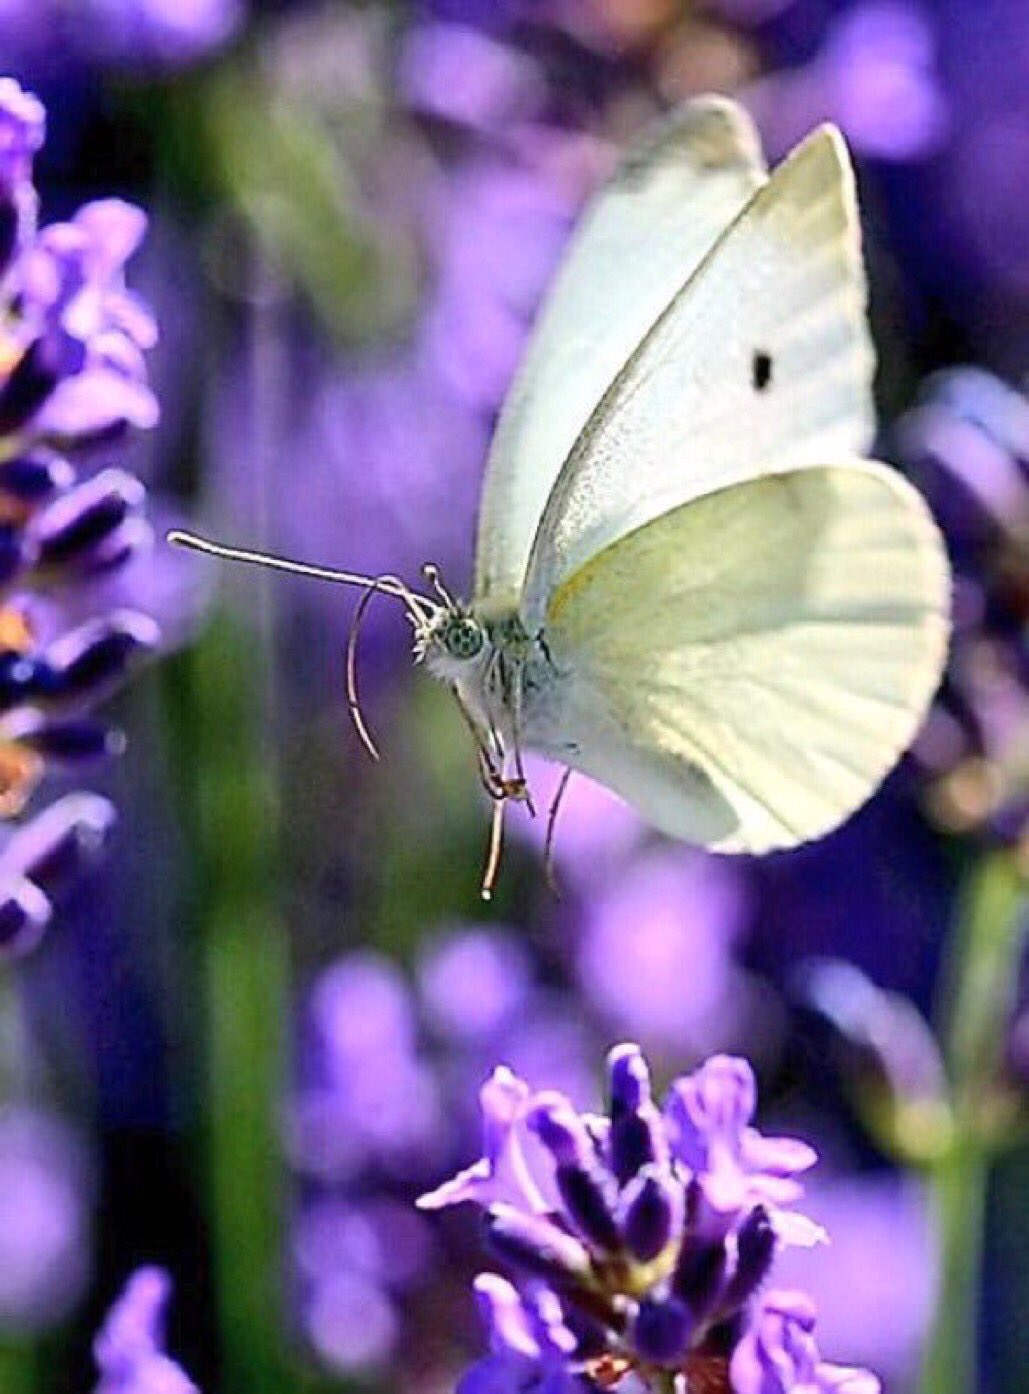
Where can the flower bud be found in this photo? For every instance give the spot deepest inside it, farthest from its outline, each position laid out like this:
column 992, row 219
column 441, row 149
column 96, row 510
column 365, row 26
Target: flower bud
column 652, row 1213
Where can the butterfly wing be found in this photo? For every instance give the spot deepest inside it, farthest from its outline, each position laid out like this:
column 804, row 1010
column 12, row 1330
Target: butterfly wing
column 747, row 668
column 761, row 363
column 644, row 235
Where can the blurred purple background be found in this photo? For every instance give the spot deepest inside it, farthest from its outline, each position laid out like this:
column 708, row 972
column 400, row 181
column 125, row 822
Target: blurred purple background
column 258, row 1031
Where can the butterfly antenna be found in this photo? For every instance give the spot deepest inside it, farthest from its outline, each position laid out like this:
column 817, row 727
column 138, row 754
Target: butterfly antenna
column 431, row 573
column 548, row 846
column 353, row 701
column 419, row 607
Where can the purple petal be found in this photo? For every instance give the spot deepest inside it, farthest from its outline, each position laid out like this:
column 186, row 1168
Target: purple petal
column 504, row 1173
column 114, row 231
column 95, row 401
column 57, row 843
column 133, row 1329
column 24, row 915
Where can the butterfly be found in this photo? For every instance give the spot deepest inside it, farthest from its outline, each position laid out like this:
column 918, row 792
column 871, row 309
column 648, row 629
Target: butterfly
column 690, row 585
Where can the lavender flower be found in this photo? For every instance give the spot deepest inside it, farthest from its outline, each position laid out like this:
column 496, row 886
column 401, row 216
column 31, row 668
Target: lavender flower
column 43, row 36
column 72, row 375
column 129, row 1349
column 667, row 917
column 778, row 1354
column 967, row 445
column 40, row 858
column 875, row 75
column 44, row 1202
column 639, row 1241
column 389, row 1065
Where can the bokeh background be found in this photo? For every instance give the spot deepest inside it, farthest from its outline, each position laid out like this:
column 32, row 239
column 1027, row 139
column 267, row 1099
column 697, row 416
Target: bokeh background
column 257, row 1032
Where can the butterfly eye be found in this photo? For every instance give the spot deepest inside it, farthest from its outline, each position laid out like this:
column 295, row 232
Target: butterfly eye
column 463, row 638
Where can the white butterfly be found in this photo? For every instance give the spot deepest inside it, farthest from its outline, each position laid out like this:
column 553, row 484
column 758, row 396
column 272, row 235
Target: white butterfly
column 688, row 583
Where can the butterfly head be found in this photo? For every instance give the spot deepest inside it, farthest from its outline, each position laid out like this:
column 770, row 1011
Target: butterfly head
column 451, row 641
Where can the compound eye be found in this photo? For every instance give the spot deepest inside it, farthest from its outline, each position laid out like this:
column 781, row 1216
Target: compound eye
column 463, row 639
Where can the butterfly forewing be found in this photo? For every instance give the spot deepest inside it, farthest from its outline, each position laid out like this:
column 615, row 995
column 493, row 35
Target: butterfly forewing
column 641, row 240
column 762, row 362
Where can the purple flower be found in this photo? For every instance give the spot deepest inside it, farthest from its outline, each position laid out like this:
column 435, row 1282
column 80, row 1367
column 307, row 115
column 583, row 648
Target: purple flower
column 638, row 1241
column 78, row 334
column 666, row 917
column 778, row 1354
column 474, row 981
column 129, row 1349
column 43, row 855
column 72, row 374
column 875, row 75
column 46, row 36
column 71, row 351
column 22, row 130
column 43, row 1219
column 966, row 443
column 505, row 1172
column 369, row 1098
column 709, row 1120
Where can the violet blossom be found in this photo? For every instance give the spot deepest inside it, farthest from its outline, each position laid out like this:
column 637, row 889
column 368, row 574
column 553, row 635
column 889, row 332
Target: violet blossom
column 388, row 1067
column 72, row 376
column 40, row 37
column 875, row 74
column 642, row 1242
column 129, row 1349
column 966, row 443
column 44, row 1218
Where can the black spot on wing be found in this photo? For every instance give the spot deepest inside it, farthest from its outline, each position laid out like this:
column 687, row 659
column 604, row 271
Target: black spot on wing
column 761, row 370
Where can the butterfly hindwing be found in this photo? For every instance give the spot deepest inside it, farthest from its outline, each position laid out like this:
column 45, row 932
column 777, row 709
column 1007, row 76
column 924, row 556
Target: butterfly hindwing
column 747, row 668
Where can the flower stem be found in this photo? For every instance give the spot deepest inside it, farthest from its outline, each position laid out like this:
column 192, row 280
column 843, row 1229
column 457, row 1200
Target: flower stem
column 245, row 969
column 959, row 1184
column 17, row 1367
column 980, row 985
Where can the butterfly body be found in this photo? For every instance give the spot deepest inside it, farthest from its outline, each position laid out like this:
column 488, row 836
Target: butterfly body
column 505, row 679
column 521, row 691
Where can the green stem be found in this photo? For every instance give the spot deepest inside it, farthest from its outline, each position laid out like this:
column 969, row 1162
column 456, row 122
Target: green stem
column 982, row 979
column 980, row 986
column 246, row 974
column 17, row 1367
column 18, row 1355
column 959, row 1184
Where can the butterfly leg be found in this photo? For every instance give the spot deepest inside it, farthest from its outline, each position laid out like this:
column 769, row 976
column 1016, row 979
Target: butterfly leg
column 548, row 846
column 496, row 838
column 516, row 732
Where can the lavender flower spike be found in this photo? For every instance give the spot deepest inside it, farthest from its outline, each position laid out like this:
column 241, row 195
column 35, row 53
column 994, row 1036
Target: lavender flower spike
column 129, row 1348
column 73, row 339
column 72, row 373
column 659, row 1228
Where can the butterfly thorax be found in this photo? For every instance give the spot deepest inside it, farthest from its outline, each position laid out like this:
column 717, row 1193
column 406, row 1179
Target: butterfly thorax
column 494, row 666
